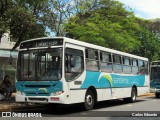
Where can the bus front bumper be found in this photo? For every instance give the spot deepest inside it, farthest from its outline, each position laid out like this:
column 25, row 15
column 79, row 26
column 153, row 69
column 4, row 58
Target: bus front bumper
column 41, row 99
column 154, row 90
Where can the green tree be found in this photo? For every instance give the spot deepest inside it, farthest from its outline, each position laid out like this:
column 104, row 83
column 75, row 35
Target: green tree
column 149, row 45
column 4, row 5
column 109, row 25
column 23, row 19
column 56, row 12
column 26, row 20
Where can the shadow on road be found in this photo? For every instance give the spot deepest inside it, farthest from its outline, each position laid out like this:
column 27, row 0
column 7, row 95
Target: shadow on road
column 112, row 103
column 78, row 110
column 153, row 97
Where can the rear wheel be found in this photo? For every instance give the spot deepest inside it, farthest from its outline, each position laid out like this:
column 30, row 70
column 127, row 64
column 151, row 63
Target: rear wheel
column 89, row 100
column 133, row 95
column 157, row 95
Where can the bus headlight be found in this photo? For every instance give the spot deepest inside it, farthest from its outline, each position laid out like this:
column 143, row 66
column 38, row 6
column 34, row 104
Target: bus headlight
column 56, row 93
column 20, row 93
column 152, row 87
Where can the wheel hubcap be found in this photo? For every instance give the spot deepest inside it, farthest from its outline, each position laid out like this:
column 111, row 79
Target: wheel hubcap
column 134, row 96
column 89, row 100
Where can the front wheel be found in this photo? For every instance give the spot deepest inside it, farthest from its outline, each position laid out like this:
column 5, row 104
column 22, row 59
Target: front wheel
column 89, row 100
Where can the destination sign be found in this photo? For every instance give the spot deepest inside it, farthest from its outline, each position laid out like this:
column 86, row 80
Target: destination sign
column 41, row 43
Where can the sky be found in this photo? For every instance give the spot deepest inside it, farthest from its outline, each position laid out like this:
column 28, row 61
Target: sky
column 147, row 9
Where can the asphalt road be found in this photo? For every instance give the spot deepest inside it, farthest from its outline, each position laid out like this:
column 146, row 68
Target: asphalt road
column 147, row 107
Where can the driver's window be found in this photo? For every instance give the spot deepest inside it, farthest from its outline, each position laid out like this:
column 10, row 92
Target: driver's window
column 74, row 63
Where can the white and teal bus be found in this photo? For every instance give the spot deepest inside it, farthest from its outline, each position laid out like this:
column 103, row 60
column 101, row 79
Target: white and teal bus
column 155, row 78
column 81, row 73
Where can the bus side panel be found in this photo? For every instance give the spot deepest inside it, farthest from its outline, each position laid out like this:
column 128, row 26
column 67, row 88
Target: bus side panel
column 142, row 90
column 116, row 93
column 114, row 86
column 77, row 95
column 146, row 88
column 108, row 86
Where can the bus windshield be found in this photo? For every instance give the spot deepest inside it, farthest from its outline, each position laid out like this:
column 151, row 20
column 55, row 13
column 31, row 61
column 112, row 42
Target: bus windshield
column 155, row 74
column 42, row 64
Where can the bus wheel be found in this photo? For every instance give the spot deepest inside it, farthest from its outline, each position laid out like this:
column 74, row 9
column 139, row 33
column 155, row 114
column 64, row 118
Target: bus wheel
column 89, row 100
column 133, row 95
column 157, row 95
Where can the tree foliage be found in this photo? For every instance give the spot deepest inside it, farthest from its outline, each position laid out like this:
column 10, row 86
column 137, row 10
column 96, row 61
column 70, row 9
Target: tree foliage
column 56, row 13
column 111, row 25
column 4, row 5
column 102, row 22
column 22, row 19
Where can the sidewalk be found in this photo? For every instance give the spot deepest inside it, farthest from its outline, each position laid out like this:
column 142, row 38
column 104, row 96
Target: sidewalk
column 11, row 105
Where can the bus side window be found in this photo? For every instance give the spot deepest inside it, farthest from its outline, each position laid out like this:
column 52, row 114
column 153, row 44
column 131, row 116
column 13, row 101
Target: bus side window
column 117, row 65
column 92, row 60
column 143, row 67
column 126, row 65
column 105, row 62
column 134, row 66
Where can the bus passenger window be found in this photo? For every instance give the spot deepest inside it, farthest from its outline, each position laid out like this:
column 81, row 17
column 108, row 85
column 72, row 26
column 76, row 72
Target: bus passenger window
column 143, row 67
column 126, row 65
column 135, row 68
column 92, row 60
column 117, row 67
column 106, row 62
column 92, row 65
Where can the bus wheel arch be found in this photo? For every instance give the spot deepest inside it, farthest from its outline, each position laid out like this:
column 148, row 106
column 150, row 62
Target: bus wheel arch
column 133, row 95
column 90, row 98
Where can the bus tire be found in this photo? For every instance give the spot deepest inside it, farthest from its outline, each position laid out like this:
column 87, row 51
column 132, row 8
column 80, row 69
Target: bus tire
column 133, row 95
column 89, row 100
column 157, row 95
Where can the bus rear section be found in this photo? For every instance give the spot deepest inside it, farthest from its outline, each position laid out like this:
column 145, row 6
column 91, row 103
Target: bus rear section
column 155, row 78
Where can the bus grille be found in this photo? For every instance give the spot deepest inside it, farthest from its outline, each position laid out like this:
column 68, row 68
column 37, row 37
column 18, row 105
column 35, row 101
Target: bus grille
column 36, row 93
column 38, row 99
column 37, row 86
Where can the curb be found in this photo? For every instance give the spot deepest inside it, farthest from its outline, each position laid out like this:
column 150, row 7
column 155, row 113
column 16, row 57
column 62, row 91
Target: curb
column 147, row 94
column 20, row 108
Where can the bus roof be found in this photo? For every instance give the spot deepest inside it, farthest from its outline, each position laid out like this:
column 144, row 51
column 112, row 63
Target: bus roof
column 155, row 63
column 88, row 45
column 158, row 61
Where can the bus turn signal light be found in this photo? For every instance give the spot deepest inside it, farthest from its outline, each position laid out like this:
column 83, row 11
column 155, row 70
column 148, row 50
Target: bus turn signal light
column 54, row 99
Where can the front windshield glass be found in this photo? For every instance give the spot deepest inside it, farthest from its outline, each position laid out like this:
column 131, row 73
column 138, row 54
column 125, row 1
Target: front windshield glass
column 44, row 64
column 155, row 74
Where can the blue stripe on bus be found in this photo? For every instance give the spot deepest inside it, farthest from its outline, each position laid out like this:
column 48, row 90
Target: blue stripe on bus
column 112, row 80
